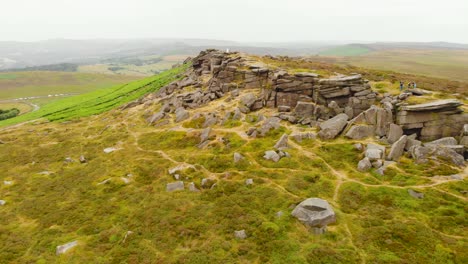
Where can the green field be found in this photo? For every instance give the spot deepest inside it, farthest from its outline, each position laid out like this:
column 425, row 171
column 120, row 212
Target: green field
column 348, row 50
column 28, row 84
column 97, row 101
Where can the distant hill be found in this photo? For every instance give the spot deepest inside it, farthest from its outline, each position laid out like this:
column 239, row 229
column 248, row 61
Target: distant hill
column 14, row 55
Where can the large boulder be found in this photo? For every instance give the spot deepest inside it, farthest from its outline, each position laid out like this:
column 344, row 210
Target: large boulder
column 374, row 152
column 272, row 155
column 314, row 212
column 175, row 186
column 181, row 114
column 248, row 100
column 446, row 141
column 360, row 132
column 304, row 109
column 394, row 133
column 423, row 154
column 397, row 148
column 364, row 164
column 331, row 128
column 282, row 143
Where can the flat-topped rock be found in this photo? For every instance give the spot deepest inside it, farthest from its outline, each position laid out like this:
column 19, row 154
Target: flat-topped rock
column 436, row 105
column 342, row 79
column 314, row 212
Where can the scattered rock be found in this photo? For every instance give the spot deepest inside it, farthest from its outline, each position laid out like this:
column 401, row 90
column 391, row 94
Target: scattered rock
column 415, row 194
column 62, row 249
column 301, row 136
column 381, row 170
column 282, row 143
column 249, row 182
column 110, row 150
column 205, row 135
column 68, row 160
column 240, row 234
column 2, row 202
column 83, row 159
column 237, row 157
column 314, row 212
column 192, row 187
column 8, row 182
column 272, row 155
column 279, row 214
column 181, row 114
column 207, row 183
column 397, row 148
column 180, row 167
column 358, row 146
column 175, row 186
column 412, row 142
column 364, row 164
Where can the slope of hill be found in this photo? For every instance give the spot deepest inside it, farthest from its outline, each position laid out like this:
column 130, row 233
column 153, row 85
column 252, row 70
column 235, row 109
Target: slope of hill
column 180, row 175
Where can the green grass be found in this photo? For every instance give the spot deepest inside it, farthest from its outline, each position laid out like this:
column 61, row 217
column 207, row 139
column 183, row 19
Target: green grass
column 98, row 101
column 347, row 50
column 8, row 76
column 29, row 84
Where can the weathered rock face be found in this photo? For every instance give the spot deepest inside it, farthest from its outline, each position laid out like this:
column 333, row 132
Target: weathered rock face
column 332, row 128
column 433, row 120
column 215, row 74
column 422, row 154
column 397, row 148
column 314, row 212
column 360, row 132
column 380, row 119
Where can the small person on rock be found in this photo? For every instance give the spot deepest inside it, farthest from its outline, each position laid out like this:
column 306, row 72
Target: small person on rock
column 401, row 86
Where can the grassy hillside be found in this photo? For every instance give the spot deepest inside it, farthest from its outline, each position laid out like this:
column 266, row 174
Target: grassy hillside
column 42, row 84
column 118, row 210
column 97, row 101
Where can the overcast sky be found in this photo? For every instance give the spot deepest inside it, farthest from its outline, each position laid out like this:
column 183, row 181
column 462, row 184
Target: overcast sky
column 241, row 20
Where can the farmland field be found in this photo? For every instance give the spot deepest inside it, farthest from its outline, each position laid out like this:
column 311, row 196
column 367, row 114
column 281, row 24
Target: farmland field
column 46, row 84
column 448, row 64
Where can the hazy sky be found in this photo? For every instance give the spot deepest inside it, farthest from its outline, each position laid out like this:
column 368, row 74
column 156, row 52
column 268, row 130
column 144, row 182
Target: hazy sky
column 242, row 20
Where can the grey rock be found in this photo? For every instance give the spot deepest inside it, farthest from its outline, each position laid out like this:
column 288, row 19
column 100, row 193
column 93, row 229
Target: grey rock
column 284, row 108
column 205, row 135
column 207, row 183
column 65, row 247
column 436, row 105
column 373, row 154
column 301, row 136
column 279, row 214
column 332, row 128
column 175, row 186
column 110, row 150
column 181, row 114
column 314, row 212
column 394, row 133
column 2, row 202
column 282, row 143
column 304, row 109
column 422, row 154
column 360, row 132
column 377, row 164
column 446, row 141
column 272, row 155
column 412, row 142
column 83, row 159
column 358, row 146
column 248, row 100
column 415, row 194
column 364, row 164
column 397, row 148
column 240, row 234
column 383, row 168
column 249, row 182
column 237, row 157
column 192, row 187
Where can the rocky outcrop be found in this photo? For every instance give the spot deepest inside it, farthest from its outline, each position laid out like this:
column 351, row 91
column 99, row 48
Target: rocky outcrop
column 397, row 149
column 433, row 120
